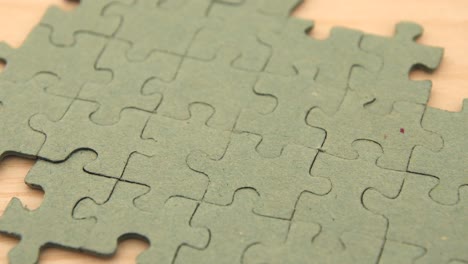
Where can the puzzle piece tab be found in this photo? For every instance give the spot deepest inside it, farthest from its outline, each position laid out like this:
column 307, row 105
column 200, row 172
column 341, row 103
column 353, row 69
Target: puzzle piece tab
column 167, row 172
column 233, row 228
column 286, row 124
column 398, row 132
column 219, row 131
column 414, row 218
column 218, row 84
column 335, row 56
column 236, row 26
column 87, row 17
column 72, row 65
column 401, row 54
column 149, row 26
column 52, row 223
column 166, row 227
column 129, row 77
column 279, row 181
column 113, row 143
column 450, row 164
column 336, row 228
column 301, row 247
column 22, row 100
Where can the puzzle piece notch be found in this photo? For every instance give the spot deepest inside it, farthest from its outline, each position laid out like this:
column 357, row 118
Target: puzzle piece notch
column 335, row 56
column 336, row 228
column 341, row 211
column 129, row 77
column 414, row 218
column 450, row 164
column 398, row 252
column 223, row 33
column 398, row 133
column 23, row 100
column 242, row 167
column 86, row 17
column 387, row 91
column 233, row 227
column 300, row 248
column 236, row 24
column 158, row 38
column 296, row 249
column 403, row 46
column 286, row 125
column 64, row 184
column 113, row 144
column 118, row 217
column 219, row 81
column 401, row 55
column 37, row 55
column 167, row 172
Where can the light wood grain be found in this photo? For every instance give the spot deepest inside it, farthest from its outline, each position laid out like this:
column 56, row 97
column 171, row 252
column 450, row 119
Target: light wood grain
column 445, row 22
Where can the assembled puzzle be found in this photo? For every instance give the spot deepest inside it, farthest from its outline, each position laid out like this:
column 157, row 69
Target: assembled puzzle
column 220, row 131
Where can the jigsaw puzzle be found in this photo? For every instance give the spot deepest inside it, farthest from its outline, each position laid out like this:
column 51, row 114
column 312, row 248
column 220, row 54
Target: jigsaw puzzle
column 219, row 131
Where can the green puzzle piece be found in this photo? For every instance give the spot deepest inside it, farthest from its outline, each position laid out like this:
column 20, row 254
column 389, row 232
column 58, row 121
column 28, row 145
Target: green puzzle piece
column 21, row 101
column 335, row 57
column 113, row 143
column 341, row 229
column 400, row 54
column 226, row 89
column 400, row 252
column 450, row 164
column 87, row 17
column 166, row 172
column 149, row 26
column 398, row 132
column 295, row 249
column 129, row 77
column 166, row 227
column 52, row 224
column 415, row 219
column 233, row 228
column 219, row 131
column 238, row 25
column 72, row 65
column 242, row 167
column 286, row 124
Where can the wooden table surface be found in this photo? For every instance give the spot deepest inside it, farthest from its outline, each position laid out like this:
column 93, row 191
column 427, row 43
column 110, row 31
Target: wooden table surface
column 445, row 23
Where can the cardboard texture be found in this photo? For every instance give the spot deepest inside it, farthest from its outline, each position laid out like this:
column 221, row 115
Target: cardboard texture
column 219, row 131
column 64, row 184
column 87, row 17
column 401, row 54
column 23, row 100
column 438, row 232
column 450, row 164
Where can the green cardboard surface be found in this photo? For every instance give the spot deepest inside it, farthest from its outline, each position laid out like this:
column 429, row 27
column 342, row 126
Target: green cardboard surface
column 219, row 131
column 64, row 185
column 401, row 54
column 128, row 80
column 242, row 167
column 398, row 133
column 415, row 219
column 21, row 101
column 450, row 164
column 72, row 65
column 118, row 218
column 76, row 131
column 87, row 17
